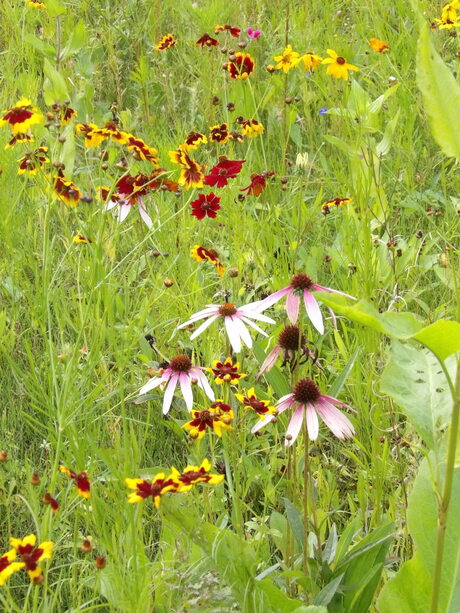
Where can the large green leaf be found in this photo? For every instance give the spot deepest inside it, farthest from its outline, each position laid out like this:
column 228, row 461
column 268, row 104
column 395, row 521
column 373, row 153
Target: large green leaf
column 441, row 96
column 410, row 590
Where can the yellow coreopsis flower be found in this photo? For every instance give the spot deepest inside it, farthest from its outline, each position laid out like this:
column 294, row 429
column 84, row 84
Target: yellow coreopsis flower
column 338, row 66
column 378, row 45
column 311, row 61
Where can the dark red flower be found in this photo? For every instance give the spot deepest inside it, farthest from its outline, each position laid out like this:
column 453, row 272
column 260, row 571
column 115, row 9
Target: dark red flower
column 258, row 184
column 233, row 31
column 207, row 41
column 224, row 170
column 205, row 205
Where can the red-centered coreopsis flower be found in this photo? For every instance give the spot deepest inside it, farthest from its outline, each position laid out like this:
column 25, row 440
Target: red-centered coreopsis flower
column 221, row 172
column 235, row 321
column 258, row 184
column 219, row 134
column 191, row 174
column 378, row 45
column 241, row 67
column 290, row 342
column 111, row 130
column 154, row 489
column 192, row 475
column 35, row 5
column 193, row 141
column 308, row 402
column 251, row 127
column 19, row 138
column 166, row 42
column 66, row 190
column 226, row 372
column 8, row 566
column 214, row 419
column 179, row 371
column 48, row 499
column 337, row 202
column 32, row 161
column 21, row 116
column 249, row 400
column 207, row 41
column 301, row 285
column 80, row 238
column 449, row 17
column 205, row 205
column 31, row 555
column 142, row 151
column 233, row 31
column 63, row 112
column 80, row 479
column 200, row 254
column 94, row 135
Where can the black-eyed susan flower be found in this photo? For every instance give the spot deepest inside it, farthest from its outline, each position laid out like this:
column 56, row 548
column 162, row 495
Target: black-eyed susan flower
column 215, row 420
column 200, row 254
column 235, row 32
column 206, row 205
column 31, row 555
column 35, row 5
column 311, row 61
column 287, row 60
column 301, row 285
column 166, row 42
column 154, row 489
column 21, row 116
column 308, row 402
column 226, row 372
column 207, row 41
column 32, row 161
column 220, row 173
column 193, row 141
column 258, row 184
column 192, row 475
column 378, row 45
column 235, row 321
column 251, row 127
column 19, row 138
column 8, row 566
column 338, row 66
column 219, row 134
column 249, row 400
column 180, row 371
column 241, row 66
column 81, row 480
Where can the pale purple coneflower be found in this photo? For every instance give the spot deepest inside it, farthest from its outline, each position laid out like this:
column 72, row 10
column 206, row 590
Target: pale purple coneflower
column 125, row 206
column 235, row 320
column 301, row 285
column 308, row 402
column 179, row 371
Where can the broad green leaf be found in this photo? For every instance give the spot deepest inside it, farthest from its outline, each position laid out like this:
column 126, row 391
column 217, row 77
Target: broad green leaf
column 54, row 87
column 43, row 47
column 441, row 96
column 339, row 382
column 294, row 517
column 54, row 8
column 442, row 338
column 384, row 145
column 328, row 591
column 410, row 590
column 415, row 380
column 310, row 609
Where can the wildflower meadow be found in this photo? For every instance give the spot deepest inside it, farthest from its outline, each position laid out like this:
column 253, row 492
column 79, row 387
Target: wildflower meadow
column 229, row 306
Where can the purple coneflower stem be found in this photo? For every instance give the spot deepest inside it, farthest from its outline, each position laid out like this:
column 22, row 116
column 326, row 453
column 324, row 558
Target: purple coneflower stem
column 230, row 462
column 443, row 504
column 306, row 481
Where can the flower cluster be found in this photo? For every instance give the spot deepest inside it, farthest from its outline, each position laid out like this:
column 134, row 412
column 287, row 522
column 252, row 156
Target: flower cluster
column 338, row 66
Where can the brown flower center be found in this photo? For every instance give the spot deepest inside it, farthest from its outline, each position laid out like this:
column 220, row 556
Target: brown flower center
column 289, row 338
column 227, row 309
column 301, row 281
column 181, row 363
column 305, row 391
column 341, row 60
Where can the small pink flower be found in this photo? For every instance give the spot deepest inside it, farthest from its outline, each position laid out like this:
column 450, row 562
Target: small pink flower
column 301, row 284
column 253, row 34
column 179, row 371
column 235, row 320
column 308, row 402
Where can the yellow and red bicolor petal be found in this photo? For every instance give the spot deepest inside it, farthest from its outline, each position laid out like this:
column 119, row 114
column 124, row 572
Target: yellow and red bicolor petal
column 46, row 549
column 28, row 541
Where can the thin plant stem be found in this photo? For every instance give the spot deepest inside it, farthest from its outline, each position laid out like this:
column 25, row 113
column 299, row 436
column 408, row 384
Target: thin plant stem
column 443, row 507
